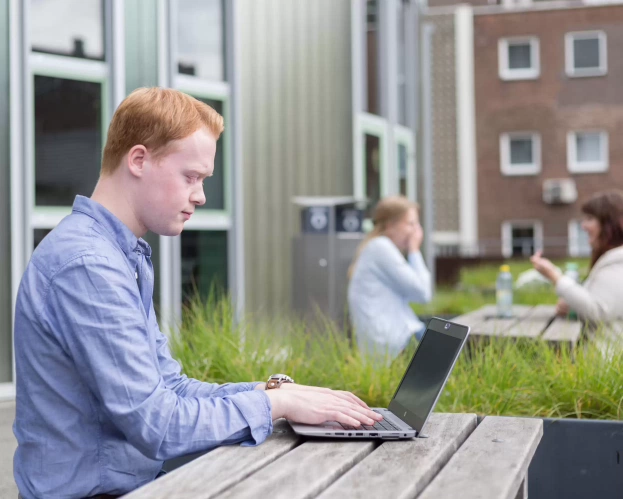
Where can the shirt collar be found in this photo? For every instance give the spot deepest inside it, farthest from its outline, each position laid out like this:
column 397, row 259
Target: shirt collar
column 119, row 232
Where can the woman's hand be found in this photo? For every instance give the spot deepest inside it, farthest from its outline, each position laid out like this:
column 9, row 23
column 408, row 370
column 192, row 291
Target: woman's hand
column 562, row 308
column 546, row 268
column 415, row 241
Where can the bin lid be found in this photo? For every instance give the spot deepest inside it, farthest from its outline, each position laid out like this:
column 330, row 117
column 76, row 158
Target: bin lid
column 306, row 201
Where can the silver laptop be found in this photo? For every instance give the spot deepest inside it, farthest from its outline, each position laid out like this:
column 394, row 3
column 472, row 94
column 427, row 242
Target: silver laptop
column 417, row 393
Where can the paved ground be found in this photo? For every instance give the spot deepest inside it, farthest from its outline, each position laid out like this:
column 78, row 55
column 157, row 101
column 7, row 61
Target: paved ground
column 8, row 490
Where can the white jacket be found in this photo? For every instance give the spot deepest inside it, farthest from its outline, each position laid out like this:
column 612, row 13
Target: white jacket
column 381, row 288
column 600, row 298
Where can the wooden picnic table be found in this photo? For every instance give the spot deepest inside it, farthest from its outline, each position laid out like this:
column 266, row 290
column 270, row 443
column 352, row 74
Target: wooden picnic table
column 527, row 322
column 457, row 457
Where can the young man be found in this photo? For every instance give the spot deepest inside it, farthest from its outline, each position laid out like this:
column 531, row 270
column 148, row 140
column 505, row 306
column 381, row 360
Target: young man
column 100, row 402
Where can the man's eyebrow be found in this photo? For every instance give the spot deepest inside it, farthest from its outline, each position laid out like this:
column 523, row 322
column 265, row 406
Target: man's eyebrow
column 200, row 173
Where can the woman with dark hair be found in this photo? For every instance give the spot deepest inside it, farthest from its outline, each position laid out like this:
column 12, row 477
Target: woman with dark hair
column 388, row 272
column 600, row 298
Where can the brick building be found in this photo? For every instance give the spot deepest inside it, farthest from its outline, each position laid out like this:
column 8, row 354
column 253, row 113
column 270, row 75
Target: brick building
column 547, row 121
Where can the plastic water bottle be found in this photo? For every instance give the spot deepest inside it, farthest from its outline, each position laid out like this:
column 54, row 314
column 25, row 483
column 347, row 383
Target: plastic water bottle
column 571, row 270
column 504, row 292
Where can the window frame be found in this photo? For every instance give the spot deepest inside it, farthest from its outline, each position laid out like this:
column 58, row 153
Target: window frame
column 505, row 72
column 370, row 124
column 404, row 136
column 24, row 66
column 573, row 231
column 507, row 234
column 574, row 166
column 203, row 219
column 510, row 170
column 601, row 69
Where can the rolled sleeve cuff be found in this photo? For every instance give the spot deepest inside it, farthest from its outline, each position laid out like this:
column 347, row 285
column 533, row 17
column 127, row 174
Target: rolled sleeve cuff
column 257, row 411
column 564, row 284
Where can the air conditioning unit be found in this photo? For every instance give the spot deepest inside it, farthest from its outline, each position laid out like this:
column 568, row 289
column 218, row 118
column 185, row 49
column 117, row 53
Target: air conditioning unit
column 559, row 191
column 515, row 3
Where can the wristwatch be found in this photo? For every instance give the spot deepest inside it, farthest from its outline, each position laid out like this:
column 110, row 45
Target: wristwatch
column 276, row 380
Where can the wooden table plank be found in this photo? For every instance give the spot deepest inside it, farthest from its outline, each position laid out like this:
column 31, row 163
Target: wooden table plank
column 563, row 331
column 533, row 323
column 304, row 471
column 494, row 326
column 404, row 468
column 224, row 467
column 492, row 463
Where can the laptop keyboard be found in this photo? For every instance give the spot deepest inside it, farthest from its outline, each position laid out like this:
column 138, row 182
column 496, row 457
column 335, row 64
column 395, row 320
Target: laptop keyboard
column 383, row 425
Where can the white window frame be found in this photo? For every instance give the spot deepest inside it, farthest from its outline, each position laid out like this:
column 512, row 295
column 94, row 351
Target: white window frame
column 508, row 74
column 573, row 231
column 204, row 219
column 600, row 70
column 574, row 166
column 25, row 64
column 385, row 126
column 370, row 124
column 509, row 169
column 507, row 234
column 404, row 136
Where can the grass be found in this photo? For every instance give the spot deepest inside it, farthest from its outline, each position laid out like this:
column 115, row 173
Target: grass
column 500, row 378
column 477, row 288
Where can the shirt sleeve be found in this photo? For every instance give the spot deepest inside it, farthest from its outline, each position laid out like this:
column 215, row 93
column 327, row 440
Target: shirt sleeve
column 94, row 306
column 182, row 384
column 590, row 306
column 410, row 279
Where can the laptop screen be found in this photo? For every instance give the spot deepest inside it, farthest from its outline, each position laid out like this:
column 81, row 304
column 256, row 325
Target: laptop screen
column 427, row 373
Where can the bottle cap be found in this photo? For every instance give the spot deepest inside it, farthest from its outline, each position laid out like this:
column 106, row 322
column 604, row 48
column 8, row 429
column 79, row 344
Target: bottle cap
column 505, row 268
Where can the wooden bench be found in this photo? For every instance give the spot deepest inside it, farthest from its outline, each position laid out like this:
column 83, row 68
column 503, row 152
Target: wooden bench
column 457, row 458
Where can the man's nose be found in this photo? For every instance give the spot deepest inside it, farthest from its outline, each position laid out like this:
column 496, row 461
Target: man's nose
column 198, row 197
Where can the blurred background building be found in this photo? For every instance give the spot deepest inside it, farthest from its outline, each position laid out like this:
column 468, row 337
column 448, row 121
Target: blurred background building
column 498, row 118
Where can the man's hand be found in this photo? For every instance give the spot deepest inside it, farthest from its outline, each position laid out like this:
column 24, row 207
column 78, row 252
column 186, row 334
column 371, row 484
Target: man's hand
column 315, row 405
column 545, row 267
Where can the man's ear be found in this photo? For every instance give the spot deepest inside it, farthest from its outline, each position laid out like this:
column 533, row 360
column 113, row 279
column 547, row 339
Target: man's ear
column 137, row 157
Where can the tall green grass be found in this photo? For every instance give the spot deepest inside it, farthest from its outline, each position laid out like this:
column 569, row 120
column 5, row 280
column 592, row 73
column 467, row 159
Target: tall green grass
column 499, row 378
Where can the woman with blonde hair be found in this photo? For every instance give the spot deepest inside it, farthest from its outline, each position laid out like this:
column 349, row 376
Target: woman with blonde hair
column 383, row 282
column 599, row 299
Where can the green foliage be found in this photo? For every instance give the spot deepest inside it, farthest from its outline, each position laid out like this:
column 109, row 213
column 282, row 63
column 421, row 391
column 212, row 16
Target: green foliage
column 500, row 378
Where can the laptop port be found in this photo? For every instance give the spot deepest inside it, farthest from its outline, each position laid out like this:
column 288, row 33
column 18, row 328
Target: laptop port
column 339, row 433
column 374, row 434
column 359, row 434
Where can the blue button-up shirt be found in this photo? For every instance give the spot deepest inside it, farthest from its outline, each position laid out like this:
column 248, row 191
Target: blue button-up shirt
column 100, row 402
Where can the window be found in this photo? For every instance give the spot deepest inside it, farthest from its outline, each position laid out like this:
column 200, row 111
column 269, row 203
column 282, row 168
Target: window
column 373, row 169
column 586, row 54
column 71, row 87
column 578, row 240
column 521, row 238
column 201, row 39
column 73, row 28
column 68, row 139
column 405, row 162
column 372, row 104
column 200, row 71
column 518, row 58
column 402, row 169
column 520, row 153
column 199, row 65
column 214, row 186
column 204, row 263
column 587, row 152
